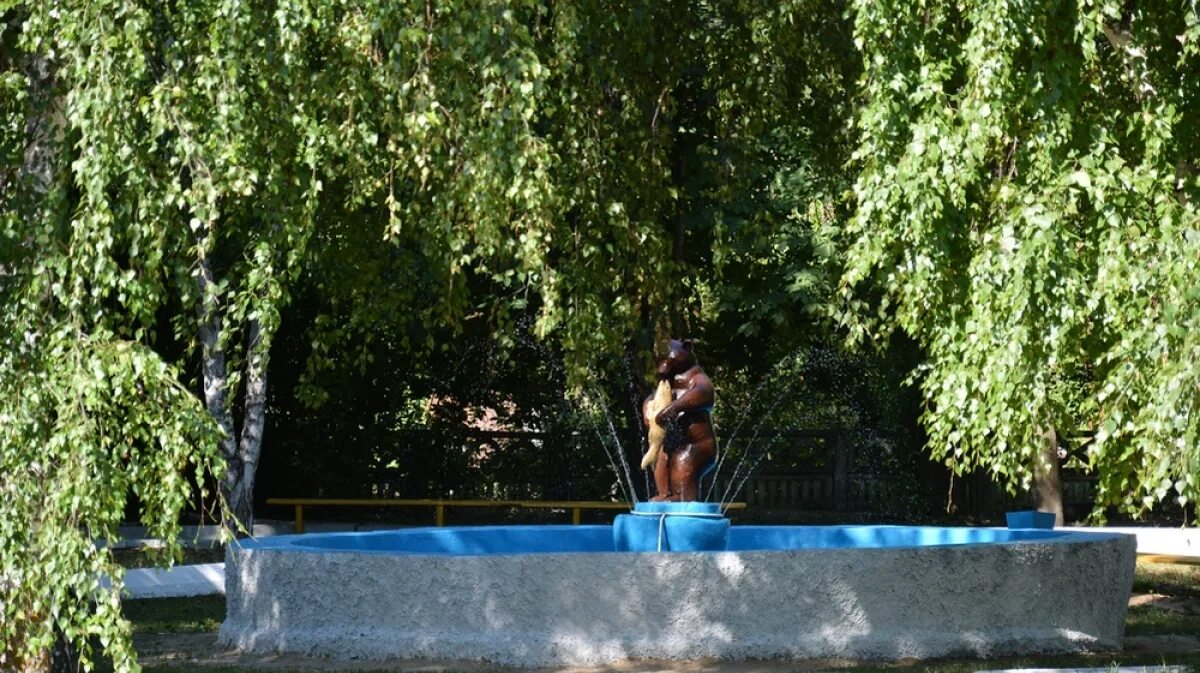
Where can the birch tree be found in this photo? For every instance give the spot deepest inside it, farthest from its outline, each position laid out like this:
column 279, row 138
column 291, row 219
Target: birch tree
column 1024, row 210
column 185, row 182
column 199, row 155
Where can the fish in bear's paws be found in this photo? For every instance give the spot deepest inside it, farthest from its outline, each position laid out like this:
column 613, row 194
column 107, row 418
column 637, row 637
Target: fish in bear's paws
column 657, row 433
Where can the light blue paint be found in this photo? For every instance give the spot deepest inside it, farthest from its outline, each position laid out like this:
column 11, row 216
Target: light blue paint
column 510, row 540
column 693, row 507
column 672, row 526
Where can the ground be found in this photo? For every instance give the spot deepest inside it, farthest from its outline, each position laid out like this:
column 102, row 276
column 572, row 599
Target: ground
column 174, row 635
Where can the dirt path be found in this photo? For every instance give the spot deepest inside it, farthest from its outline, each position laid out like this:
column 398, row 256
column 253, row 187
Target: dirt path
column 200, row 650
column 1181, row 605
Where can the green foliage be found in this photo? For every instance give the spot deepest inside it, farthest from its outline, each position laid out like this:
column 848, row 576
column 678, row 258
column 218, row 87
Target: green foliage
column 418, row 166
column 1024, row 211
column 12, row 118
column 601, row 166
column 424, row 175
column 82, row 423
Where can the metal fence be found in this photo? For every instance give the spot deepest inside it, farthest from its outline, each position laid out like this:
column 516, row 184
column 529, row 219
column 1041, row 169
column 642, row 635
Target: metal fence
column 806, row 470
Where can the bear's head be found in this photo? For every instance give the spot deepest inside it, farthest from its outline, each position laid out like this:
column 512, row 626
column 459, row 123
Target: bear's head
column 679, row 358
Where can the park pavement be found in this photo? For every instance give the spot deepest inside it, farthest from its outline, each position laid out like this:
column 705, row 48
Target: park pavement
column 202, row 579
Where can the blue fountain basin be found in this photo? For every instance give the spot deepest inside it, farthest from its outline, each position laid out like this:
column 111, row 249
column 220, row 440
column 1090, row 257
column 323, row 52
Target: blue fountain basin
column 541, row 596
column 508, row 540
column 672, row 526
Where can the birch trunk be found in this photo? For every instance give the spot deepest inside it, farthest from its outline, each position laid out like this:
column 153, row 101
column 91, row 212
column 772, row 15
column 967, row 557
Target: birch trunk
column 241, row 494
column 1048, row 476
column 43, row 125
column 216, row 377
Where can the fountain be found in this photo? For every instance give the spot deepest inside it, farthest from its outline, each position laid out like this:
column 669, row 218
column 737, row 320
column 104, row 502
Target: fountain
column 681, row 449
column 673, row 580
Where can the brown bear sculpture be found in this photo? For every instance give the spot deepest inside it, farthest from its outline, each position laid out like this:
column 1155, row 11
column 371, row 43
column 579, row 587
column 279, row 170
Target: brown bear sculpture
column 689, row 448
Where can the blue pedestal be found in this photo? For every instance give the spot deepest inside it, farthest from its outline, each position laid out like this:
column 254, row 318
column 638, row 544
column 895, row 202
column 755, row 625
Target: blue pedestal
column 1029, row 519
column 672, row 526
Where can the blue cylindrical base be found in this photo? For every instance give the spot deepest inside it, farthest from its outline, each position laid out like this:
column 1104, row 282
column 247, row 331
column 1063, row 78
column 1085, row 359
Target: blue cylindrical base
column 672, row 526
column 1029, row 519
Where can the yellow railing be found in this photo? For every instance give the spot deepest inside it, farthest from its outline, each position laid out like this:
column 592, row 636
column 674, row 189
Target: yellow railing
column 576, row 506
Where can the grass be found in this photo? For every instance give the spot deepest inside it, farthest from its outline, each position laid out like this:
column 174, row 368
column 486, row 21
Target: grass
column 1174, row 580
column 197, row 614
column 1150, row 621
column 1182, row 580
column 188, row 668
column 146, row 557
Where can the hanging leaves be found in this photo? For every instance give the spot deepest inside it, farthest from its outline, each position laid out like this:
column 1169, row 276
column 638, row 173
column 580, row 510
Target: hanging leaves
column 1024, row 209
column 191, row 160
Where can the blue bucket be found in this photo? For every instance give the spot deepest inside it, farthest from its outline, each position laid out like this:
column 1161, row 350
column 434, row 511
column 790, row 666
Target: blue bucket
column 1029, row 519
column 672, row 526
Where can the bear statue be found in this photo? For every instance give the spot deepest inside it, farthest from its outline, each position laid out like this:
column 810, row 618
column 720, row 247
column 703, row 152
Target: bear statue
column 682, row 444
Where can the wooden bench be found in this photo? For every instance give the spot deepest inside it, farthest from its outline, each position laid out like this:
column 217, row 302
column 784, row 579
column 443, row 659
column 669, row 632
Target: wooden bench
column 576, row 506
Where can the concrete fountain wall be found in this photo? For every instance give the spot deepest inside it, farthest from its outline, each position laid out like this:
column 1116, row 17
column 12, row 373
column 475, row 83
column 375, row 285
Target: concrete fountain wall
column 378, row 596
